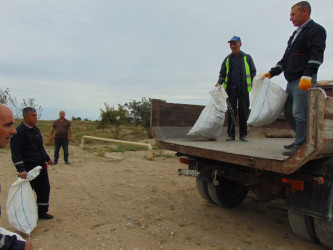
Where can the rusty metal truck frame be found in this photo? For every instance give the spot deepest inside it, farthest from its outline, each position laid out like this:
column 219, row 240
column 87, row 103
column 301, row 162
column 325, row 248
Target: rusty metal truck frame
column 225, row 171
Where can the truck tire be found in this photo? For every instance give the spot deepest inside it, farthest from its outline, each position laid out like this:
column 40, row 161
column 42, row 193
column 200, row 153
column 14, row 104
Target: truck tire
column 203, row 189
column 324, row 232
column 302, row 225
column 228, row 193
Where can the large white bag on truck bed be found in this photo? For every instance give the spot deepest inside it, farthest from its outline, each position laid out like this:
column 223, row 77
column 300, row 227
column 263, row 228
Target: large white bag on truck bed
column 211, row 119
column 267, row 102
column 21, row 204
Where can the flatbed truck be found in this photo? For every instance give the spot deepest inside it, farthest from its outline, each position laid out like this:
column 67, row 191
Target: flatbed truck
column 226, row 171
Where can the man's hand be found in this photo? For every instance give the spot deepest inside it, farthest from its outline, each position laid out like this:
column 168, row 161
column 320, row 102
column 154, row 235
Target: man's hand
column 217, row 84
column 69, row 138
column 28, row 246
column 267, row 75
column 51, row 138
column 23, row 175
column 305, row 83
column 50, row 162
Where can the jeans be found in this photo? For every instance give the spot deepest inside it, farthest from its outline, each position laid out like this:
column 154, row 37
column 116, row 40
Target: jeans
column 296, row 109
column 58, row 143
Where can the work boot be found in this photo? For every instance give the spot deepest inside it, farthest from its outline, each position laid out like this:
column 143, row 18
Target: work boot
column 243, row 138
column 45, row 216
column 67, row 163
column 289, row 146
column 290, row 152
column 230, row 138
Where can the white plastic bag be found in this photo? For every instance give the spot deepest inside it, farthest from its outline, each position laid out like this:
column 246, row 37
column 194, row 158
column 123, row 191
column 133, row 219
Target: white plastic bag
column 211, row 119
column 21, row 204
column 6, row 232
column 267, row 102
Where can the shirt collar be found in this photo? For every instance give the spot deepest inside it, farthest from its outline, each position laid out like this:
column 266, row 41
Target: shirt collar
column 27, row 125
column 304, row 24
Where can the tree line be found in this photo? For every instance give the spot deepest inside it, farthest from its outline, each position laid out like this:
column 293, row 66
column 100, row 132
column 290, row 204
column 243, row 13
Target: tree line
column 16, row 106
column 133, row 112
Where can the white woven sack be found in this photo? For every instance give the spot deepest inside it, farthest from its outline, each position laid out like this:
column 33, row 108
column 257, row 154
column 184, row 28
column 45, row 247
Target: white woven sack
column 6, row 232
column 21, row 205
column 267, row 102
column 210, row 122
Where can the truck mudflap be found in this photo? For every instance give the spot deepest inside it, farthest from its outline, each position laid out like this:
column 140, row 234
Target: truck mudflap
column 315, row 200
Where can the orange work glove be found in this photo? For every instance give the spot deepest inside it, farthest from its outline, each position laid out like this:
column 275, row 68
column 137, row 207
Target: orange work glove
column 305, row 83
column 267, row 75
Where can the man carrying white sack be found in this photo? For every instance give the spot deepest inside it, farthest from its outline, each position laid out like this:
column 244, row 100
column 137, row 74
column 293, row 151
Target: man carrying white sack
column 7, row 130
column 28, row 152
column 300, row 63
column 236, row 76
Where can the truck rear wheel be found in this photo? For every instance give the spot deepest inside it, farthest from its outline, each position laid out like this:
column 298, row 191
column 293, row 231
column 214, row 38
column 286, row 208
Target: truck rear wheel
column 228, row 193
column 202, row 188
column 302, row 225
column 324, row 231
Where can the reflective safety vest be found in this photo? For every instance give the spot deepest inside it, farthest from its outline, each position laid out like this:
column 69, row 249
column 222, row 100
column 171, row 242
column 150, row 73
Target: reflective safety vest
column 247, row 75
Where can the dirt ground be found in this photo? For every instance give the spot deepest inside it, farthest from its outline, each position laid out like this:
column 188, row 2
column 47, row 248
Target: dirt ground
column 133, row 203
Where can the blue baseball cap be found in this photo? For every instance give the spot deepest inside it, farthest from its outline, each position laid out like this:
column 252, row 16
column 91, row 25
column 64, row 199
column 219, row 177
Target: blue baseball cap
column 235, row 39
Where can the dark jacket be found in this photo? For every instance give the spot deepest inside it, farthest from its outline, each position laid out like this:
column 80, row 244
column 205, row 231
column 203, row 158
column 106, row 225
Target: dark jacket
column 223, row 71
column 11, row 242
column 27, row 148
column 304, row 56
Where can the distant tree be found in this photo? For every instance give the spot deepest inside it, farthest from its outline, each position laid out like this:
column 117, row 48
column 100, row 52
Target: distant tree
column 111, row 117
column 17, row 108
column 86, row 120
column 5, row 96
column 76, row 118
column 31, row 103
column 139, row 113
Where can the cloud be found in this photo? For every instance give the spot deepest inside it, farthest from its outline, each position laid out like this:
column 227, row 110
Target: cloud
column 79, row 54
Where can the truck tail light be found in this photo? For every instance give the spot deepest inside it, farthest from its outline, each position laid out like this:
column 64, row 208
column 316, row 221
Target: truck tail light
column 187, row 161
column 317, row 181
column 295, row 184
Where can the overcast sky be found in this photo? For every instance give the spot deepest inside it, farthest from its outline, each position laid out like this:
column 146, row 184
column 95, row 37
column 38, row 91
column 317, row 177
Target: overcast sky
column 74, row 55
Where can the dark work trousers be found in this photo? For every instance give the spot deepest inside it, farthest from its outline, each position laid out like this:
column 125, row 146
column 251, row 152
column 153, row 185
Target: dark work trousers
column 58, row 143
column 242, row 101
column 41, row 186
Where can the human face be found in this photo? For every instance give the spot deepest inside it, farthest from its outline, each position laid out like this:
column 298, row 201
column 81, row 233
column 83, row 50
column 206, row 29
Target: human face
column 62, row 114
column 235, row 47
column 31, row 119
column 298, row 17
column 7, row 129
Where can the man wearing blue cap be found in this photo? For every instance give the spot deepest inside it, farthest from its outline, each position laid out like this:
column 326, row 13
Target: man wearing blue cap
column 236, row 75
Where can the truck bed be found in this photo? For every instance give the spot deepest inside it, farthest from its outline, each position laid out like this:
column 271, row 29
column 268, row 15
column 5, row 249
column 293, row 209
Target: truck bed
column 171, row 122
column 268, row 148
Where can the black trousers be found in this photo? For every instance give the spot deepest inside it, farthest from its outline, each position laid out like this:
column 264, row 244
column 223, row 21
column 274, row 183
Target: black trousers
column 238, row 103
column 41, row 186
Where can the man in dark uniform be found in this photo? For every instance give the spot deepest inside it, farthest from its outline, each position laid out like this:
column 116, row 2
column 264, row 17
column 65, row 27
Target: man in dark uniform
column 28, row 152
column 236, row 75
column 7, row 130
column 300, row 63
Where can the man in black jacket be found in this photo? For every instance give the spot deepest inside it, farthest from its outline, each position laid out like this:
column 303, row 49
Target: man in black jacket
column 28, row 152
column 300, row 63
column 7, row 130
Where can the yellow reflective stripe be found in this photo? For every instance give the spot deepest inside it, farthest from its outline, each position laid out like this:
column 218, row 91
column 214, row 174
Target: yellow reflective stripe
column 227, row 73
column 247, row 74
